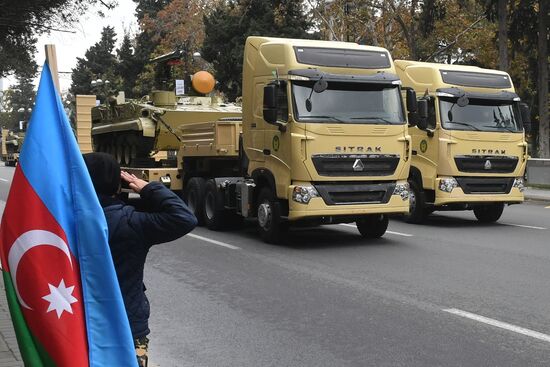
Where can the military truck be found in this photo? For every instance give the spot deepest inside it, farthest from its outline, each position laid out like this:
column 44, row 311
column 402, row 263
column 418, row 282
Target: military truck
column 470, row 153
column 323, row 139
column 11, row 146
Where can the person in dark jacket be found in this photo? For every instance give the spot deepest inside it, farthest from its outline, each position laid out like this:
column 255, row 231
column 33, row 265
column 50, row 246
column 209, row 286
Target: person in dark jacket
column 132, row 233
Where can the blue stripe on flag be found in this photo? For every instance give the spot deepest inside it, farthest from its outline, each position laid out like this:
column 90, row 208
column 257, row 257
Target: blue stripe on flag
column 53, row 165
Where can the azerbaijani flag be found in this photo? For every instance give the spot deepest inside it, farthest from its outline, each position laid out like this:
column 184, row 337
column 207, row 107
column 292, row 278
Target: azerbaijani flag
column 61, row 285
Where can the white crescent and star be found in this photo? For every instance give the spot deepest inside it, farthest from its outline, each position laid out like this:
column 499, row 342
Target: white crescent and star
column 60, row 297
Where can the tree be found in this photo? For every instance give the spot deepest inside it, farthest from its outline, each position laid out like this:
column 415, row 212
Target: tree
column 544, row 104
column 230, row 23
column 18, row 103
column 127, row 68
column 20, row 24
column 99, row 63
column 503, row 34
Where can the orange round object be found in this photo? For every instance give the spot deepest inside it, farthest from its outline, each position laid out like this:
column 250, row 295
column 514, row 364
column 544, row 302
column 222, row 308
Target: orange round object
column 203, row 82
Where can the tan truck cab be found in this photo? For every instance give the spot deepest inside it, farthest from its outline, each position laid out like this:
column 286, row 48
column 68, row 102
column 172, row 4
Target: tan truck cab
column 470, row 153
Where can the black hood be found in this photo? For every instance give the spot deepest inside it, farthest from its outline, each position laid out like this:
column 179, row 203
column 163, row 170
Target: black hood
column 104, row 171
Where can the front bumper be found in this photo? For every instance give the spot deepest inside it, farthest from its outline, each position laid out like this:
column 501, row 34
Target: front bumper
column 458, row 196
column 318, row 208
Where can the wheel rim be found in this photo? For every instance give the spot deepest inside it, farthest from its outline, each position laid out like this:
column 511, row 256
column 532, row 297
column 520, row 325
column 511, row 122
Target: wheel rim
column 412, row 202
column 209, row 207
column 265, row 214
column 192, row 201
column 127, row 154
column 120, row 153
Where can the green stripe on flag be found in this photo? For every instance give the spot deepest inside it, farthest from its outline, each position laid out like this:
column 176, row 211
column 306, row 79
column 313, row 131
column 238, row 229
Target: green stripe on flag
column 33, row 354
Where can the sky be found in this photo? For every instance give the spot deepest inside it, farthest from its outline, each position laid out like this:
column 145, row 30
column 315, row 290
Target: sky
column 69, row 46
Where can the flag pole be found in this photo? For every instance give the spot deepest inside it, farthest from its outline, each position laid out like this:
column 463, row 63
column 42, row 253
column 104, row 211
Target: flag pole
column 51, row 59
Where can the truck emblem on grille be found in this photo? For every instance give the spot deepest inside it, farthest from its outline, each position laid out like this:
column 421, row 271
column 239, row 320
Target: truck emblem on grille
column 358, row 165
column 358, row 149
column 487, row 164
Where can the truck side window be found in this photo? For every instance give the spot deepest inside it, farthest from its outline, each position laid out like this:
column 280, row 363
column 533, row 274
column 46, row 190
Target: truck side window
column 282, row 102
column 431, row 113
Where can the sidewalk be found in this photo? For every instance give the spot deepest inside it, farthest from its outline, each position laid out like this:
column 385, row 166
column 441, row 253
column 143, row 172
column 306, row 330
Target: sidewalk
column 9, row 351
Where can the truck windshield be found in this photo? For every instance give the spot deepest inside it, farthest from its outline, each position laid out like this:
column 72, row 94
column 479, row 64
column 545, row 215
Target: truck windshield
column 350, row 103
column 480, row 115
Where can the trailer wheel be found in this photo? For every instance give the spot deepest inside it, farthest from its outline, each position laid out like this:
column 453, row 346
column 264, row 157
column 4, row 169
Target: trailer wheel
column 271, row 226
column 489, row 213
column 417, row 204
column 213, row 207
column 372, row 226
column 194, row 197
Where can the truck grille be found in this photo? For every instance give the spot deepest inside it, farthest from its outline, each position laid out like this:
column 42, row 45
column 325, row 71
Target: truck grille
column 355, row 164
column 341, row 194
column 485, row 185
column 486, row 163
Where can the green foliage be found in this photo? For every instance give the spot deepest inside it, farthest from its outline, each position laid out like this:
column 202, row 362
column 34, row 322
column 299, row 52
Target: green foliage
column 17, row 103
column 99, row 62
column 230, row 23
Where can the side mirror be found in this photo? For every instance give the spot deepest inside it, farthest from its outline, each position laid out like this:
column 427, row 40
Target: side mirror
column 270, row 104
column 526, row 117
column 422, row 109
column 422, row 114
column 411, row 100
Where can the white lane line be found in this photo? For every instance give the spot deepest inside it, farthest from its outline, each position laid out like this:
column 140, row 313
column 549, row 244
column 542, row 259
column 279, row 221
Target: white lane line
column 390, row 232
column 522, row 226
column 499, row 324
column 213, row 241
column 3, row 179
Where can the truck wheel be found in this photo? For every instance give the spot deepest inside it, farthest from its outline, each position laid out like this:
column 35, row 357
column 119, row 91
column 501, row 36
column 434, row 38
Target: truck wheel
column 271, row 226
column 213, row 207
column 373, row 226
column 417, row 204
column 194, row 197
column 489, row 213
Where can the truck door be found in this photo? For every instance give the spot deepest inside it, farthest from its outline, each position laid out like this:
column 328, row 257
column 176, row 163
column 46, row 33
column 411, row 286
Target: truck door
column 426, row 147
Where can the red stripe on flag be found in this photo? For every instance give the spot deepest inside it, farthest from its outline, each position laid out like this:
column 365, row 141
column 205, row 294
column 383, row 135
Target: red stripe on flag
column 46, row 274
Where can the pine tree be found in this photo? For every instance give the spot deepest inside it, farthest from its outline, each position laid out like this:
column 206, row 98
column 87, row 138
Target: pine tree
column 229, row 24
column 99, row 62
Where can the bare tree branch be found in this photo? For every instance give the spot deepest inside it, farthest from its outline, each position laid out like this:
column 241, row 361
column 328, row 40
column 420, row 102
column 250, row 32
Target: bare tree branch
column 435, row 53
column 323, row 19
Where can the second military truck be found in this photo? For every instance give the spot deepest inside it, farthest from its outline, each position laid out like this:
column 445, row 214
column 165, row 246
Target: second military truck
column 470, row 153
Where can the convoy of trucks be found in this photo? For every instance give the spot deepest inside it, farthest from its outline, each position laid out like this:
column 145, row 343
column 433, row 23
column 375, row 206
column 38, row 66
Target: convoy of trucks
column 324, row 140
column 471, row 152
column 329, row 132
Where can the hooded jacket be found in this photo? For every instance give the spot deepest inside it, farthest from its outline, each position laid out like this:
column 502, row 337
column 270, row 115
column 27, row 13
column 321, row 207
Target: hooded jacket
column 131, row 235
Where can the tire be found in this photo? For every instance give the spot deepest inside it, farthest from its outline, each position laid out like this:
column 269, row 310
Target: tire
column 270, row 224
column 194, row 197
column 489, row 213
column 417, row 204
column 213, row 207
column 373, row 226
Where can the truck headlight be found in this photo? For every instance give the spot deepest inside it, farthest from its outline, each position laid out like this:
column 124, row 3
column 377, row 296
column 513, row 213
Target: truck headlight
column 519, row 183
column 402, row 189
column 303, row 194
column 447, row 184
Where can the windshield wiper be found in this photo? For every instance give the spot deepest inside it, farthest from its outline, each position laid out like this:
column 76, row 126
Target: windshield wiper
column 464, row 124
column 322, row 117
column 380, row 119
column 501, row 127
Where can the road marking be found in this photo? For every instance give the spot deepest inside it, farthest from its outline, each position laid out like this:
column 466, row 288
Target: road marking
column 390, row 232
column 499, row 324
column 522, row 226
column 547, row 207
column 213, row 241
column 3, row 179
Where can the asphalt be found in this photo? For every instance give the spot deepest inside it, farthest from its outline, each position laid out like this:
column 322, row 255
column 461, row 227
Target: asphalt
column 326, row 297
